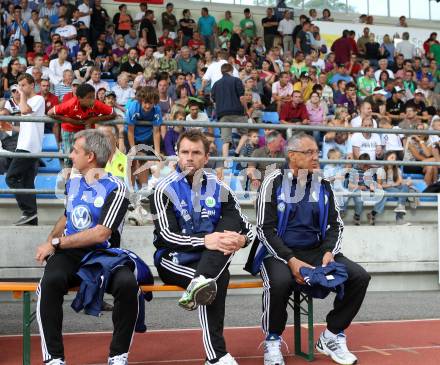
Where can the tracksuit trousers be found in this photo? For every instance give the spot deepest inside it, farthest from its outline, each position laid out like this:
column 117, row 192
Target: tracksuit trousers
column 212, row 264
column 278, row 282
column 60, row 275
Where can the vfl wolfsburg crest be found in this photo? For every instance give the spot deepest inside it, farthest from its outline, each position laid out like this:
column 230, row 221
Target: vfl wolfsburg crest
column 210, row 202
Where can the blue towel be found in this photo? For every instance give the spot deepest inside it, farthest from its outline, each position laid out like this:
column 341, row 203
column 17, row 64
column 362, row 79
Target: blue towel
column 320, row 281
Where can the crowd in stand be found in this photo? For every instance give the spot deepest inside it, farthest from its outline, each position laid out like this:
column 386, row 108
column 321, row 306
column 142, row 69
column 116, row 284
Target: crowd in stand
column 286, row 69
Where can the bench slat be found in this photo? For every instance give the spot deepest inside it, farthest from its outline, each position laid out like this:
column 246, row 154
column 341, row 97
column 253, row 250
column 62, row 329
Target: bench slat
column 32, row 286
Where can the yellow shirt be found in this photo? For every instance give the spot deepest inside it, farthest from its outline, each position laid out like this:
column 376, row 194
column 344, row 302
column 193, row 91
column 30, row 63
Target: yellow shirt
column 297, row 86
column 117, row 166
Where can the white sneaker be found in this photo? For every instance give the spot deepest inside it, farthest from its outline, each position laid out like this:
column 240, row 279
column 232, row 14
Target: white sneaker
column 336, row 348
column 272, row 352
column 200, row 291
column 56, row 362
column 225, row 360
column 400, row 209
column 118, row 360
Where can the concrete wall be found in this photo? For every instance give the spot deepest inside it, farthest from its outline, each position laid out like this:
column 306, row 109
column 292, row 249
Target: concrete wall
column 398, row 257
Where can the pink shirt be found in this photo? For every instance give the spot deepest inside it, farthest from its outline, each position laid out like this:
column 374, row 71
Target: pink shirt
column 316, row 115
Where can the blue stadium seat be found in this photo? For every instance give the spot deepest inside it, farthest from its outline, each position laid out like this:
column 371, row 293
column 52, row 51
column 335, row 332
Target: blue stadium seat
column 46, row 182
column 271, row 117
column 50, row 143
column 42, row 182
column 4, row 186
column 52, row 165
column 420, row 185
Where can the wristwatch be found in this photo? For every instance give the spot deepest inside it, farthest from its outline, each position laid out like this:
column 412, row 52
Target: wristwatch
column 247, row 240
column 56, row 243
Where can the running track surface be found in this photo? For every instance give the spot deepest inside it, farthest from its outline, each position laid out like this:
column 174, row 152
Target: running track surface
column 375, row 343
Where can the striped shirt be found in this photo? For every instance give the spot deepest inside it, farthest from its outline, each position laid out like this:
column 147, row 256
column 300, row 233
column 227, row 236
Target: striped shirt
column 61, row 90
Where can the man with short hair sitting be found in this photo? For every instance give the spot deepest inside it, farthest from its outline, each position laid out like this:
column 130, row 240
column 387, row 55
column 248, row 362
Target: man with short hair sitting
column 198, row 228
column 299, row 227
column 96, row 204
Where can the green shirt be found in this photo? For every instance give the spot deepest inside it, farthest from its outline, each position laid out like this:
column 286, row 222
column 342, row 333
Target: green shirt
column 225, row 24
column 366, row 84
column 435, row 50
column 248, row 27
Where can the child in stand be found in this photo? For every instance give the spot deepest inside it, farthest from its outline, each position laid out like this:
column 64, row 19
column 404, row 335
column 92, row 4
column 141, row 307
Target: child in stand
column 172, row 135
column 335, row 173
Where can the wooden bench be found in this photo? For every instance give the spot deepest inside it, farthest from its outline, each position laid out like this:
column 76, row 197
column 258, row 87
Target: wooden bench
column 301, row 304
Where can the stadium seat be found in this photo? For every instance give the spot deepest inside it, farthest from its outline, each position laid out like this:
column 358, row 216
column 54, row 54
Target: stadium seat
column 46, row 182
column 271, row 117
column 50, row 143
column 51, row 166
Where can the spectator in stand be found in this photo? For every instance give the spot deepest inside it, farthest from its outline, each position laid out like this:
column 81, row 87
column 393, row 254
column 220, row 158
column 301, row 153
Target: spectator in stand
column 405, row 47
column 256, row 171
column 186, row 63
column 143, row 107
column 317, row 111
column 248, row 27
column 395, row 106
column 294, row 111
column 58, row 65
column 226, row 23
column 195, row 115
column 303, row 39
column 169, row 20
column 132, row 39
column 85, row 11
column 285, row 29
column 148, row 61
column 208, row 28
column 22, row 171
column 187, row 25
column 352, row 40
column 342, row 48
column 37, row 74
column 337, row 140
column 95, row 79
column 361, row 178
column 383, row 66
column 341, row 74
column 402, row 22
column 304, row 86
column 282, row 90
column 18, row 29
column 417, row 149
column 65, row 86
column 271, row 27
column 123, row 21
column 389, row 49
column 366, row 83
column 172, row 135
column 79, row 112
column 67, row 33
column 72, row 93
column 326, row 16
column 213, row 73
column 50, row 101
column 367, row 142
column 167, row 63
column 366, row 112
column 98, row 20
column 362, row 41
column 11, row 77
column 120, row 52
column 227, row 94
column 391, row 142
column 13, row 55
column 82, row 67
column 147, row 29
column 378, row 102
column 131, row 67
column 123, row 91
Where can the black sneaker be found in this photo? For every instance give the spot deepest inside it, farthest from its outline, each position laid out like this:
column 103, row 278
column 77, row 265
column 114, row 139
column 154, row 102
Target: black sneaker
column 371, row 219
column 357, row 220
column 27, row 220
column 106, row 307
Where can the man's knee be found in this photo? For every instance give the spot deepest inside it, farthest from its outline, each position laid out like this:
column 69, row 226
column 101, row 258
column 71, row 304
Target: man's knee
column 124, row 283
column 54, row 281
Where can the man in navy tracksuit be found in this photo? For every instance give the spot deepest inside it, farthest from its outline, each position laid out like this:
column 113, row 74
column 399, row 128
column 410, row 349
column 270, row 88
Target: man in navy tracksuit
column 298, row 225
column 198, row 227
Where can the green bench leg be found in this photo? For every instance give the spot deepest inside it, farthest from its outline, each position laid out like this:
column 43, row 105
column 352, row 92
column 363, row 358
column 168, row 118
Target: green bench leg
column 27, row 320
column 298, row 310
